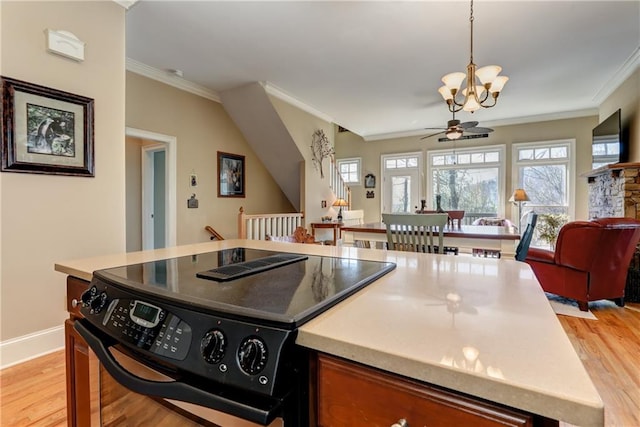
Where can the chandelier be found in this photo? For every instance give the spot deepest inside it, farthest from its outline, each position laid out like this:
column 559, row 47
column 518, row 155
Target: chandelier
column 475, row 95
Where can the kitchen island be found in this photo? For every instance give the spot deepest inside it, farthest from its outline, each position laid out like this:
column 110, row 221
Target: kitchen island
column 479, row 327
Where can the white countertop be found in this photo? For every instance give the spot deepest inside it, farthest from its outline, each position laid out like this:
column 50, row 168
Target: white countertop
column 475, row 325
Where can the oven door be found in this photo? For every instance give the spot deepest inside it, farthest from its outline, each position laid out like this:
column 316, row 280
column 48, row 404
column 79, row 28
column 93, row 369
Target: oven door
column 127, row 386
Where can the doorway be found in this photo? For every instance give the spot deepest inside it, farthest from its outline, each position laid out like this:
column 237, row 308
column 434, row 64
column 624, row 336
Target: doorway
column 401, row 183
column 150, row 190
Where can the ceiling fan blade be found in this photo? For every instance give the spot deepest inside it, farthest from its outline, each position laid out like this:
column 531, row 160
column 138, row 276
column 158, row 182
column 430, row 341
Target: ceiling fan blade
column 433, row 134
column 478, row 130
column 467, row 125
column 435, row 128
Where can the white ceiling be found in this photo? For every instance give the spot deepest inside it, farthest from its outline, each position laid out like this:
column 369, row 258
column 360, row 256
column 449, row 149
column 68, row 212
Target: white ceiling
column 375, row 67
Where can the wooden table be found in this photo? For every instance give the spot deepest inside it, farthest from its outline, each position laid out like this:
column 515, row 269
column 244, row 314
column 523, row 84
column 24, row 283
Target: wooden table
column 333, row 224
column 466, row 237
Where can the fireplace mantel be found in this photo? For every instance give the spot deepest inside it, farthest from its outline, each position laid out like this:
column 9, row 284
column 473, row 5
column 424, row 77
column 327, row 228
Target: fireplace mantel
column 613, row 168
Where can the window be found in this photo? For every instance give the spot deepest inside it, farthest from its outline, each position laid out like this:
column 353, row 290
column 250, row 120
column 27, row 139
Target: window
column 471, row 180
column 544, row 169
column 350, row 170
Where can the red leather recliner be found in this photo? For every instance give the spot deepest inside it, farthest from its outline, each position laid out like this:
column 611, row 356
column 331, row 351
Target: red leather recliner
column 590, row 261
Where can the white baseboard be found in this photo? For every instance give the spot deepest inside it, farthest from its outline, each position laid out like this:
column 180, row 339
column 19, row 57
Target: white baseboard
column 26, row 347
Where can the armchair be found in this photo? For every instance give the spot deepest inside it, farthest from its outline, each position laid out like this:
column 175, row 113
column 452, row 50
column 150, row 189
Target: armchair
column 590, row 261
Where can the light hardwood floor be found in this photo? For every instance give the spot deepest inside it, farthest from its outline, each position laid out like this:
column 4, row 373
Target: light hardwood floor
column 33, row 393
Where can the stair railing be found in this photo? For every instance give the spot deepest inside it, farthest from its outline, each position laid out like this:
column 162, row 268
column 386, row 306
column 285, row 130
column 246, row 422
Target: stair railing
column 259, row 226
column 337, row 184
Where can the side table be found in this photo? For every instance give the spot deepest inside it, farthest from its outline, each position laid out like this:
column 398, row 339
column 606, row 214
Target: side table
column 334, row 225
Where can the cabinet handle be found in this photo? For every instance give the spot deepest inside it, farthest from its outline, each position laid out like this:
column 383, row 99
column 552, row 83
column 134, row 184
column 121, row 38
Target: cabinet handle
column 401, row 423
column 74, row 303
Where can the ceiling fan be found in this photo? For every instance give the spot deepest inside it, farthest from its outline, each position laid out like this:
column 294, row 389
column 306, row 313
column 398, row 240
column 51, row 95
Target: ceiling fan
column 455, row 129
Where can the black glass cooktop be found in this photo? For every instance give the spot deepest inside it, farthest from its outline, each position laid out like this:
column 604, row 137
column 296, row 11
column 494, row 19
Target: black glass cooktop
column 279, row 288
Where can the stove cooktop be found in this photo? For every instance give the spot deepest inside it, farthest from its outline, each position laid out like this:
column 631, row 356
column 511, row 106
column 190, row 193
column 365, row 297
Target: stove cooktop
column 277, row 288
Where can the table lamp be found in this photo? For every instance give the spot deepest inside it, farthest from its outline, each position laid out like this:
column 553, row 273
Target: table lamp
column 519, row 196
column 340, row 203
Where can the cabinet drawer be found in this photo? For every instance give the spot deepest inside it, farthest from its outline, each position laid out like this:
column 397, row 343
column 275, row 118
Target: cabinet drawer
column 351, row 395
column 75, row 288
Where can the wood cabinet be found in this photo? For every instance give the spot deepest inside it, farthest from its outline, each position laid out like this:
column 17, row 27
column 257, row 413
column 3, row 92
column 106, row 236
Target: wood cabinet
column 353, row 395
column 80, row 361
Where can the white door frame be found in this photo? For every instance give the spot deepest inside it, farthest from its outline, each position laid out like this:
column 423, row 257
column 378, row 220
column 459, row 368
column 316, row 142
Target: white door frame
column 170, row 143
column 418, row 174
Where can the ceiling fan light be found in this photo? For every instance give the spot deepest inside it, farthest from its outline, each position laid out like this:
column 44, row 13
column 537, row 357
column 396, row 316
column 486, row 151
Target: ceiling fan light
column 488, row 74
column 453, row 80
column 454, row 134
column 498, row 84
column 445, row 92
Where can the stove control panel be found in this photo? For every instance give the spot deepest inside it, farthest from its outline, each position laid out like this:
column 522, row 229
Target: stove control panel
column 142, row 324
column 213, row 345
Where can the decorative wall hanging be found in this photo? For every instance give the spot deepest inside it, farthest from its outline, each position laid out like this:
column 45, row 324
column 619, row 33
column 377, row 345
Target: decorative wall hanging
column 369, row 181
column 320, row 149
column 230, row 175
column 370, row 194
column 45, row 130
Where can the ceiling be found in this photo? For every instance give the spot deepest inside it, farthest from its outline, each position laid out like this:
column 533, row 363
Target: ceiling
column 375, row 67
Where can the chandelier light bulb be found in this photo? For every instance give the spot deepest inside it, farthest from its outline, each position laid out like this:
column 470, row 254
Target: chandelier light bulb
column 498, row 84
column 488, row 74
column 446, row 93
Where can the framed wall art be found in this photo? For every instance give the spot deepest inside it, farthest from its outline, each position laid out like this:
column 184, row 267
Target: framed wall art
column 231, row 181
column 369, row 181
column 45, row 130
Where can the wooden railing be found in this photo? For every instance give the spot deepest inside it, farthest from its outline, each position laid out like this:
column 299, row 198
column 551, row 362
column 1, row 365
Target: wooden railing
column 259, row 226
column 214, row 234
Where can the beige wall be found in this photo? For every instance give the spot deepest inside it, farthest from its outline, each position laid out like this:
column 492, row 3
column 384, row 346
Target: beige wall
column 202, row 127
column 48, row 218
column 301, row 125
column 350, row 145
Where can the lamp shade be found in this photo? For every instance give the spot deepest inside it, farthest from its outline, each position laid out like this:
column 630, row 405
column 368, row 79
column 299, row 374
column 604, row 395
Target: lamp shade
column 519, row 195
column 340, row 202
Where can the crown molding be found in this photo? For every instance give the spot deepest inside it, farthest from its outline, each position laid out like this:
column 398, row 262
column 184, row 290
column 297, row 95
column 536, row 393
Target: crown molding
column 126, row 3
column 289, row 99
column 494, row 123
column 629, row 67
column 171, row 79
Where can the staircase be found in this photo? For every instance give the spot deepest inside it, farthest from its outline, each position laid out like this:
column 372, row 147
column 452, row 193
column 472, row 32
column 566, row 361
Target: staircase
column 337, row 184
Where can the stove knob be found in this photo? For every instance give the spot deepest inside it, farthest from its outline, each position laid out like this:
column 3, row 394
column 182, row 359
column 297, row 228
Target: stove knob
column 213, row 346
column 252, row 355
column 88, row 296
column 98, row 302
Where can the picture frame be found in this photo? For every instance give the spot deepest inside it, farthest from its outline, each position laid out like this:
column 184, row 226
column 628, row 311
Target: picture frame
column 45, row 131
column 231, row 175
column 369, row 181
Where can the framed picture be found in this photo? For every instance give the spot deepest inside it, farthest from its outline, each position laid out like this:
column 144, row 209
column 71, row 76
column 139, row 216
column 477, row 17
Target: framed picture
column 45, row 130
column 230, row 175
column 369, row 181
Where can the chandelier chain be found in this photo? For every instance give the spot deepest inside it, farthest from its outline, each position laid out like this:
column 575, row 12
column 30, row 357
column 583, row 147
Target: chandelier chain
column 471, row 22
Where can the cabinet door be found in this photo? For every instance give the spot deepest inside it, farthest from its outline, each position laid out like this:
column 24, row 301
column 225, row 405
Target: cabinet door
column 81, row 364
column 351, row 395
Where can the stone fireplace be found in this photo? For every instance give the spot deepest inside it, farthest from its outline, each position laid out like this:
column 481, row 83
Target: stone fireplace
column 614, row 191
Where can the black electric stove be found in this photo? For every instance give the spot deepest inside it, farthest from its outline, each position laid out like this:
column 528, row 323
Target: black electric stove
column 223, row 324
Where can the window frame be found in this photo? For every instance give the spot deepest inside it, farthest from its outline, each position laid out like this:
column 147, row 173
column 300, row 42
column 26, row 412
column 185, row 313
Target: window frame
column 500, row 164
column 570, row 162
column 351, row 160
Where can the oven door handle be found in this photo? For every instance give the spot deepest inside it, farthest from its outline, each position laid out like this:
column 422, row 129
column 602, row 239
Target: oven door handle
column 177, row 390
